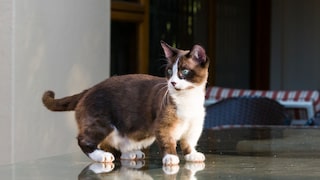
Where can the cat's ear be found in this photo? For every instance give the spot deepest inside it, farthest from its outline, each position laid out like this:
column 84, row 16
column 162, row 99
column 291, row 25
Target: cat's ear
column 168, row 50
column 198, row 54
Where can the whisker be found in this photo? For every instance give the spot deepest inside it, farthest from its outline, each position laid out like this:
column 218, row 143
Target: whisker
column 165, row 95
column 163, row 66
column 163, row 59
column 164, row 85
column 163, row 62
column 164, row 99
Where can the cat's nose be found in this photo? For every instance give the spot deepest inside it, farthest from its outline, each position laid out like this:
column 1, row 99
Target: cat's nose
column 173, row 83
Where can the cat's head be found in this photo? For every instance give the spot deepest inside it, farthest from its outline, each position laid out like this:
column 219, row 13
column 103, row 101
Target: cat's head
column 186, row 69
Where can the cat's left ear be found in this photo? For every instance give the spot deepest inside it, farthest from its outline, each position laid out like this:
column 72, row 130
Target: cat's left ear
column 198, row 54
column 168, row 50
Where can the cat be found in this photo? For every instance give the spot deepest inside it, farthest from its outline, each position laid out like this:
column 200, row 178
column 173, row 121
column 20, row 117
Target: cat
column 128, row 113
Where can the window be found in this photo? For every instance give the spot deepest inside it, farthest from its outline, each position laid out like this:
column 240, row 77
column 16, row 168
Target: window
column 129, row 36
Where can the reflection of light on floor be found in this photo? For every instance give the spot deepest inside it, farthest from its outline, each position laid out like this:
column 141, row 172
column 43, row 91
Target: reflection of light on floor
column 138, row 169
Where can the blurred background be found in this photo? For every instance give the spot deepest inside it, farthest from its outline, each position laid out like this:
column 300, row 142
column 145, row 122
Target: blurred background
column 68, row 46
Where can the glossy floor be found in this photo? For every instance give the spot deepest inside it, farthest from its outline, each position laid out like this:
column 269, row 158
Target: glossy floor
column 284, row 154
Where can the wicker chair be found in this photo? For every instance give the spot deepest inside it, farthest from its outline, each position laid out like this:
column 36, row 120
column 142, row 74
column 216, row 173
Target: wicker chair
column 241, row 111
column 232, row 120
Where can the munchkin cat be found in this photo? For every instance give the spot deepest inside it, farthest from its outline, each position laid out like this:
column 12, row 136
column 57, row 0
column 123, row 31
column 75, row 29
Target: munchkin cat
column 128, row 113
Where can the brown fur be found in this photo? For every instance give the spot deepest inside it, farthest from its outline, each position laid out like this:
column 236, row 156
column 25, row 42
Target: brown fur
column 64, row 104
column 138, row 106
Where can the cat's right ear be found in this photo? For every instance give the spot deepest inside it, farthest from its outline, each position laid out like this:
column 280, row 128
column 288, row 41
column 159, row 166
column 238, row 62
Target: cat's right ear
column 168, row 50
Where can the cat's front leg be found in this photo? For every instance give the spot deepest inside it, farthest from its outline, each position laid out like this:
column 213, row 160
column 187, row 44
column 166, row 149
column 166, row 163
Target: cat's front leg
column 189, row 151
column 195, row 157
column 170, row 159
column 170, row 153
column 168, row 147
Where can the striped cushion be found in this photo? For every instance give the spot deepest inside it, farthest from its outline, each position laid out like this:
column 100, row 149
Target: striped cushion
column 218, row 93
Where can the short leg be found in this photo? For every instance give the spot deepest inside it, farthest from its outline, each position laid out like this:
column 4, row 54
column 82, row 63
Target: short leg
column 89, row 141
column 189, row 151
column 168, row 147
column 165, row 138
column 195, row 157
column 101, row 156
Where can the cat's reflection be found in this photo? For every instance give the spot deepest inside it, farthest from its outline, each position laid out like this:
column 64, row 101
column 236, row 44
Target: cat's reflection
column 138, row 170
column 188, row 171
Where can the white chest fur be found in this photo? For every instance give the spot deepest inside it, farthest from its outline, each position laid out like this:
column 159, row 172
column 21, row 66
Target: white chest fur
column 190, row 110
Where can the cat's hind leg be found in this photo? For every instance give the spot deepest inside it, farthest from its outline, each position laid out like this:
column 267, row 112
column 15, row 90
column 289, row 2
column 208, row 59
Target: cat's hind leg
column 101, row 156
column 89, row 140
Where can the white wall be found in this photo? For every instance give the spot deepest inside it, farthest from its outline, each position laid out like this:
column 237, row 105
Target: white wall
column 59, row 45
column 5, row 80
column 295, row 51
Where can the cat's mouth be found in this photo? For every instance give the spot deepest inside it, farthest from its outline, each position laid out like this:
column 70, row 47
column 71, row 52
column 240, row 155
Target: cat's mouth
column 175, row 88
column 180, row 89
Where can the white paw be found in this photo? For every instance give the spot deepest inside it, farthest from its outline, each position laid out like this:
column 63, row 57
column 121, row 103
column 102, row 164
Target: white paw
column 170, row 159
column 169, row 170
column 133, row 155
column 195, row 157
column 101, row 156
column 101, row 167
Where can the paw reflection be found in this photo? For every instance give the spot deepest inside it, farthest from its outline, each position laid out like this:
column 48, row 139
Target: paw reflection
column 101, row 167
column 195, row 166
column 172, row 169
column 133, row 164
column 139, row 169
column 188, row 172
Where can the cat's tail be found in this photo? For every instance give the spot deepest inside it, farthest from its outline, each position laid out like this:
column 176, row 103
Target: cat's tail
column 68, row 103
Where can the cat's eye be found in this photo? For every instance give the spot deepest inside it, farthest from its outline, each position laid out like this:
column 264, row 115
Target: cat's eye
column 169, row 71
column 185, row 72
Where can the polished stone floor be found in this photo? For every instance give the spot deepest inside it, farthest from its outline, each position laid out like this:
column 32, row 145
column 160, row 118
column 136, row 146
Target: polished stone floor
column 275, row 153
